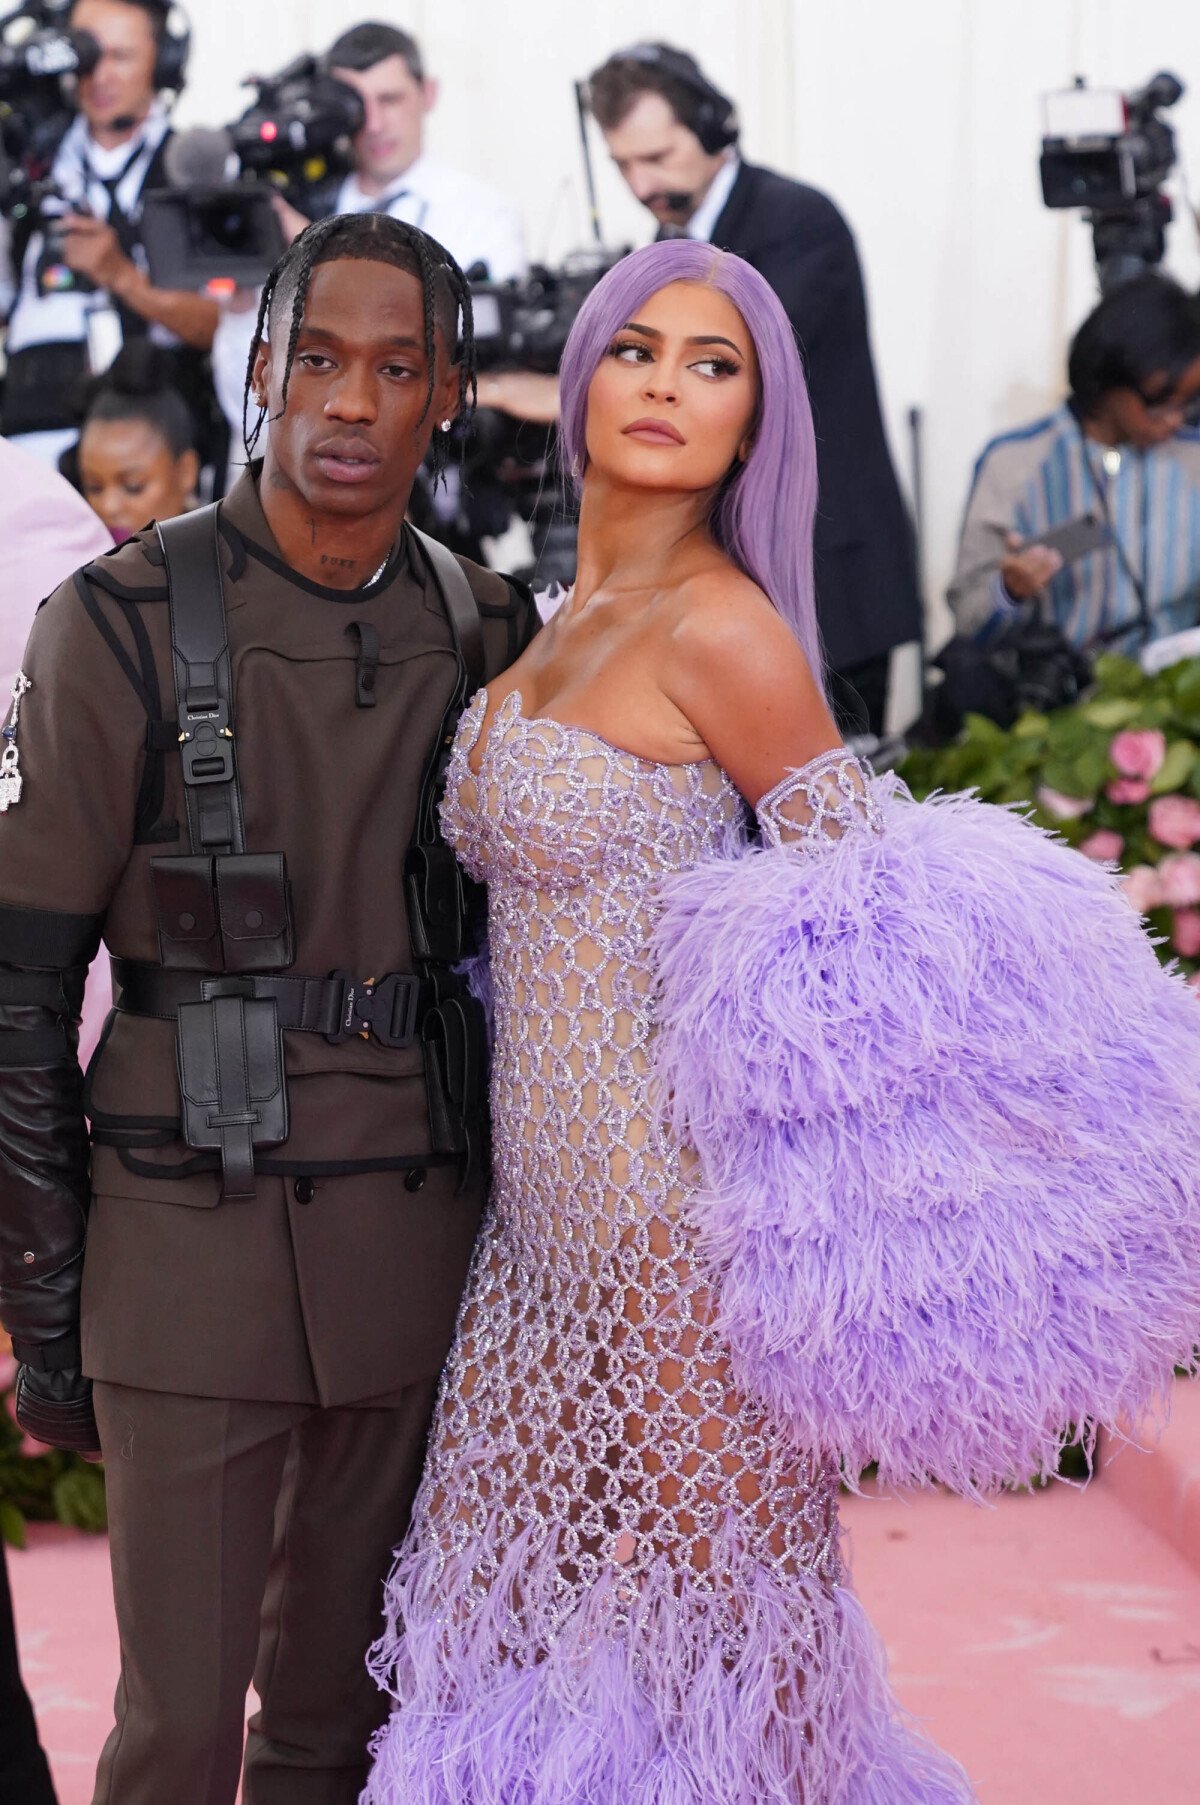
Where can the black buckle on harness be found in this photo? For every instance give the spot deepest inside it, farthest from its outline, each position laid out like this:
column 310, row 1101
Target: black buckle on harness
column 383, row 1007
column 205, row 737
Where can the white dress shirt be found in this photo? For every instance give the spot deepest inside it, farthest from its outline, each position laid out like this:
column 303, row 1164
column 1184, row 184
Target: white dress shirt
column 474, row 222
column 703, row 222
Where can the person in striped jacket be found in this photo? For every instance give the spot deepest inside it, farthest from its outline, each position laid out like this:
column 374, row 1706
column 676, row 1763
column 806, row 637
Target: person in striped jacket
column 1125, row 448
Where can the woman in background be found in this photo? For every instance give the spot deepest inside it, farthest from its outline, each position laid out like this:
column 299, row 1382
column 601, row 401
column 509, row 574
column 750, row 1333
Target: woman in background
column 136, row 459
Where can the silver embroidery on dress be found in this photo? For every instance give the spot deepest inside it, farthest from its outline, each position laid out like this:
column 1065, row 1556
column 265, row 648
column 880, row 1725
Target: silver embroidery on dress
column 622, row 1581
column 812, row 808
column 587, row 1405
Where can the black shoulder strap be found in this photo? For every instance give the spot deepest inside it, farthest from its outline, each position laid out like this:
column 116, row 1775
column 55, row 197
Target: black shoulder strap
column 461, row 606
column 203, row 684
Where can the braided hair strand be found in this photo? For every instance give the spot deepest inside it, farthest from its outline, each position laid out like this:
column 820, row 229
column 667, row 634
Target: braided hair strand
column 372, row 238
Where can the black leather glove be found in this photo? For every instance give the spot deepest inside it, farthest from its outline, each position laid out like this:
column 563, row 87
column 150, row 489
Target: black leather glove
column 56, row 1408
column 44, row 1181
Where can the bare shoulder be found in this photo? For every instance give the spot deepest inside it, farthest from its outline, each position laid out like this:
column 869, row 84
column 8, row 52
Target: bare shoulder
column 722, row 619
column 738, row 674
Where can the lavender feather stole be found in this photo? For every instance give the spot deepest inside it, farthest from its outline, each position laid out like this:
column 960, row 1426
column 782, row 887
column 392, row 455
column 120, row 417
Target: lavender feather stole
column 947, row 1106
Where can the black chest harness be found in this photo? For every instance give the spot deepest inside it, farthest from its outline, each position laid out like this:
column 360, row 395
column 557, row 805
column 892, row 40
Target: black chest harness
column 224, row 916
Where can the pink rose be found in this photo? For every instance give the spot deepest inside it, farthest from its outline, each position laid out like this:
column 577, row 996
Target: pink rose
column 8, row 1372
column 1064, row 808
column 1185, row 934
column 1138, row 754
column 1128, row 789
column 1175, row 821
column 1143, row 888
column 1104, row 844
column 1179, row 873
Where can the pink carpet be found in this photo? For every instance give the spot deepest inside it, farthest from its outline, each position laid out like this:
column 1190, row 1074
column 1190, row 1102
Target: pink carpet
column 1053, row 1643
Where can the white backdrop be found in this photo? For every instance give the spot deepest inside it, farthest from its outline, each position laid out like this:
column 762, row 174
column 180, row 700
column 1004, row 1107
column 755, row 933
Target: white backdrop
column 921, row 118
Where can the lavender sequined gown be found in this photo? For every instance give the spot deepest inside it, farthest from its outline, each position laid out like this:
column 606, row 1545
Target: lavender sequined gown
column 622, row 1584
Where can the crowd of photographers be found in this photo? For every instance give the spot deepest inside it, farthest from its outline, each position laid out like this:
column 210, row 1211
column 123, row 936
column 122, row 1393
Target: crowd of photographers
column 135, row 253
column 111, row 241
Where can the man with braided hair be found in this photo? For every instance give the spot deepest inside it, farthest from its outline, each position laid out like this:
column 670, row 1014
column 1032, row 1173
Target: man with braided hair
column 264, row 1311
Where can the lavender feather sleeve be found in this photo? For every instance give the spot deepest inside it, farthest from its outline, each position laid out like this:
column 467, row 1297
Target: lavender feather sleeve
column 947, row 1107
column 477, row 970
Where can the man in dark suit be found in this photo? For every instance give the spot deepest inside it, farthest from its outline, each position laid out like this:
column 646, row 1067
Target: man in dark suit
column 673, row 136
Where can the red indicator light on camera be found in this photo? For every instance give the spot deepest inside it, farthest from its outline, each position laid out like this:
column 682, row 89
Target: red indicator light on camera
column 268, row 131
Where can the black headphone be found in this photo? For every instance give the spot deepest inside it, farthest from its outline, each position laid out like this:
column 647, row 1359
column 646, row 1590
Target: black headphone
column 174, row 46
column 714, row 120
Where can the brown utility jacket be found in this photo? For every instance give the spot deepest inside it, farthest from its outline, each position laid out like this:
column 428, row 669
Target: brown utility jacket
column 330, row 1285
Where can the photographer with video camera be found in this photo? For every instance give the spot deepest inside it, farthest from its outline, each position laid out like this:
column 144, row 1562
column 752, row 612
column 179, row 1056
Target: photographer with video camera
column 392, row 173
column 81, row 285
column 1122, row 454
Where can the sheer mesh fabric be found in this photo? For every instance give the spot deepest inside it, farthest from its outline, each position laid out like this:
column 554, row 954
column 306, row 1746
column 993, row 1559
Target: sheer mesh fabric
column 812, row 808
column 587, row 1405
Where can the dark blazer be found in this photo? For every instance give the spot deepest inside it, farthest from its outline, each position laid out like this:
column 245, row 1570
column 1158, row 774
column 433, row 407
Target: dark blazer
column 867, row 596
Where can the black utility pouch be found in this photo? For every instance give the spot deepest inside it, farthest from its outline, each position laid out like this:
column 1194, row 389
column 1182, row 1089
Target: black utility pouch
column 189, row 933
column 433, row 886
column 454, row 1043
column 231, row 1081
column 254, row 908
column 229, row 913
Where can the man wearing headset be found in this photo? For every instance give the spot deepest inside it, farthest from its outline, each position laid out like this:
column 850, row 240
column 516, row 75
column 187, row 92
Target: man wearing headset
column 78, row 300
column 674, row 138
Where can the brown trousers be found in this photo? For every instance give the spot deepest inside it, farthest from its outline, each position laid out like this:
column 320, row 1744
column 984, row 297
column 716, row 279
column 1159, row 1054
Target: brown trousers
column 250, row 1541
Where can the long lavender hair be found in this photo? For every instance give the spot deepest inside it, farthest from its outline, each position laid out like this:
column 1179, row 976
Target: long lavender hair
column 762, row 516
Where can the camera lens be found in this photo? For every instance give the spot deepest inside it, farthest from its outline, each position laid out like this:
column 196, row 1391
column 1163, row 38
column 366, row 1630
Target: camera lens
column 225, row 226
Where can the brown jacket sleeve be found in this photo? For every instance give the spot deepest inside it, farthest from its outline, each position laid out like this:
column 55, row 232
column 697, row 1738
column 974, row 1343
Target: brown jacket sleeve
column 81, row 740
column 63, row 848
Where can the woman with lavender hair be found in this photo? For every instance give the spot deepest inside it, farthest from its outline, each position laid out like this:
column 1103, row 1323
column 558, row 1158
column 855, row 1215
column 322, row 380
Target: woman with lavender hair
column 833, row 1142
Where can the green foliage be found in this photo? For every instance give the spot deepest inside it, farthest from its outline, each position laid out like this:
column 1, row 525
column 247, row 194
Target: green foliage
column 78, row 1495
column 1069, row 753
column 45, row 1488
column 12, row 1525
column 1176, row 770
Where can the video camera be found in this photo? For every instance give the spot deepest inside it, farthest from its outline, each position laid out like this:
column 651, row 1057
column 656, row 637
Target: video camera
column 1109, row 153
column 216, row 224
column 39, row 59
column 508, row 464
column 524, row 325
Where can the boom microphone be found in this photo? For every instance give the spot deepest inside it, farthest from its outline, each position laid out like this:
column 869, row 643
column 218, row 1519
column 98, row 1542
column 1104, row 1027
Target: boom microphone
column 201, row 157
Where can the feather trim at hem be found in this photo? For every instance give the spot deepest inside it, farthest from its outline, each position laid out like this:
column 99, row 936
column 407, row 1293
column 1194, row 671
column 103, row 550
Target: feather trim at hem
column 644, row 1696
